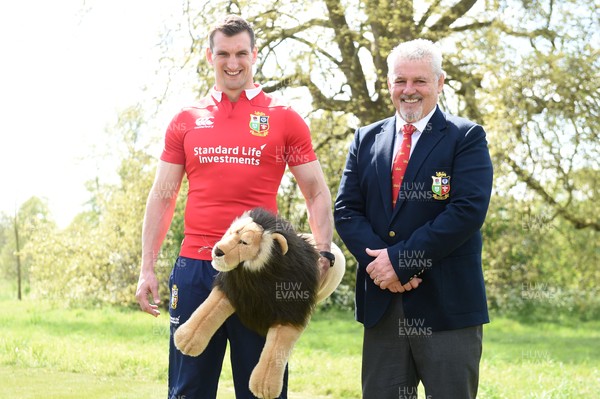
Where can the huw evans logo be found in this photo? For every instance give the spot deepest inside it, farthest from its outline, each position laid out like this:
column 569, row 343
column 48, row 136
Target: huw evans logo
column 291, row 291
column 413, row 328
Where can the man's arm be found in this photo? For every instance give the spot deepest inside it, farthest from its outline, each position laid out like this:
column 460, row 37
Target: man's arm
column 350, row 210
column 318, row 204
column 160, row 207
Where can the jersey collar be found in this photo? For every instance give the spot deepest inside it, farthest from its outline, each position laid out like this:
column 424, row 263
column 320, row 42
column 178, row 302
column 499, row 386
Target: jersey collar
column 250, row 93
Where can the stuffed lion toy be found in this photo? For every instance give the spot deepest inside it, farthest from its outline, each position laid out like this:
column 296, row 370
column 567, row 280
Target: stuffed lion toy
column 269, row 276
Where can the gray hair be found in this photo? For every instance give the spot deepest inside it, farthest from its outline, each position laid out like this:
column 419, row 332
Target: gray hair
column 417, row 49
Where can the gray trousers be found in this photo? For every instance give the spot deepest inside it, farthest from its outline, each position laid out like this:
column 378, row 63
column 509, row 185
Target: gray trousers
column 398, row 353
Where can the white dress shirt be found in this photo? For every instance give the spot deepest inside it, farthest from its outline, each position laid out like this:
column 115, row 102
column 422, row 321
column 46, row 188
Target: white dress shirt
column 421, row 124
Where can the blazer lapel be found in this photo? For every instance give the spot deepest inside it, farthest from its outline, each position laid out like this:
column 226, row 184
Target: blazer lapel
column 384, row 146
column 429, row 138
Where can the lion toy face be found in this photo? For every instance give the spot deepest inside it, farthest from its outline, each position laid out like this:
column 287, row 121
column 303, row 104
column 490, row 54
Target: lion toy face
column 245, row 243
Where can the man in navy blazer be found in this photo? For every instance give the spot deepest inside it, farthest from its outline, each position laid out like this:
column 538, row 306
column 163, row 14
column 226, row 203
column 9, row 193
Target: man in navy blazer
column 419, row 284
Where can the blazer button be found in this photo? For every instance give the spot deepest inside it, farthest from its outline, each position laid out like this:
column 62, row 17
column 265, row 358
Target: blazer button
column 392, row 234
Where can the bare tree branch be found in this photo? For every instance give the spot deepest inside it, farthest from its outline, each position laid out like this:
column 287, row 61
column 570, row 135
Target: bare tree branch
column 452, row 15
column 577, row 222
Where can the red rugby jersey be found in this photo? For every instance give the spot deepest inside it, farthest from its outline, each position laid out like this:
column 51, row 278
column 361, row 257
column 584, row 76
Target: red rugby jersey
column 235, row 155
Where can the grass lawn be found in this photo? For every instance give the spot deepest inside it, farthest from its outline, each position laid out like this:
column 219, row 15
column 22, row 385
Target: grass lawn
column 47, row 351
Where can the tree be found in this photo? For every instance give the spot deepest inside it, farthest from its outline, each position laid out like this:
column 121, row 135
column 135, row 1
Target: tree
column 536, row 265
column 97, row 258
column 526, row 70
column 31, row 217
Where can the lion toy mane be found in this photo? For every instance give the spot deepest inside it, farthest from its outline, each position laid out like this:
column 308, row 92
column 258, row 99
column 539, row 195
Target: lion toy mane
column 269, row 276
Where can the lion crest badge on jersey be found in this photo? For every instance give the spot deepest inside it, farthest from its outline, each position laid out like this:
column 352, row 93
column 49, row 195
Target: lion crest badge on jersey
column 259, row 124
column 174, row 296
column 440, row 186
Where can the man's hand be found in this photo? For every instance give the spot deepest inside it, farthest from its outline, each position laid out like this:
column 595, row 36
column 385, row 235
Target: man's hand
column 380, row 270
column 397, row 287
column 324, row 266
column 148, row 285
column 383, row 275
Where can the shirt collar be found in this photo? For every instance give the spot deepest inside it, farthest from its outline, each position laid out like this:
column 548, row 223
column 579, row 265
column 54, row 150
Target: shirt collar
column 250, row 93
column 421, row 124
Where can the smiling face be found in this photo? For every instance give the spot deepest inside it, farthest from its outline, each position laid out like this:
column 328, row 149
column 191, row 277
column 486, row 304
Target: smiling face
column 414, row 88
column 232, row 58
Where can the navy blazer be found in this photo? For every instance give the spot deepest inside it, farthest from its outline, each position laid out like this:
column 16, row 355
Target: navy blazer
column 427, row 232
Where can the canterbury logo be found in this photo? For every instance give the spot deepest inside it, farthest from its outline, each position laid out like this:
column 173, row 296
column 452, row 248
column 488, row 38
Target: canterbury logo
column 204, row 122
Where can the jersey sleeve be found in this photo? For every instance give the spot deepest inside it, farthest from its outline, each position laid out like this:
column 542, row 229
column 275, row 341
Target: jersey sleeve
column 299, row 143
column 173, row 151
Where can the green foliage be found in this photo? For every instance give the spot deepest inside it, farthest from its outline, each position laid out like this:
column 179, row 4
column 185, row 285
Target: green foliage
column 97, row 258
column 537, row 265
column 32, row 217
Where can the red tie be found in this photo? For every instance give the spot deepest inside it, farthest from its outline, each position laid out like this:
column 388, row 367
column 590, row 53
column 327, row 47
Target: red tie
column 401, row 161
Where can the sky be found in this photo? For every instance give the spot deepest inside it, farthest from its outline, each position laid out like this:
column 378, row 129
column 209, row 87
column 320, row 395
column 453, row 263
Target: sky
column 67, row 69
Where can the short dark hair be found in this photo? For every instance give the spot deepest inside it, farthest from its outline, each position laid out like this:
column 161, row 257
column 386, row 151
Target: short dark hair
column 231, row 26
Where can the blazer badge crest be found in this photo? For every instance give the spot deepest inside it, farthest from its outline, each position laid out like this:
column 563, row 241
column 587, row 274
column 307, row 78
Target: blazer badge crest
column 440, row 186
